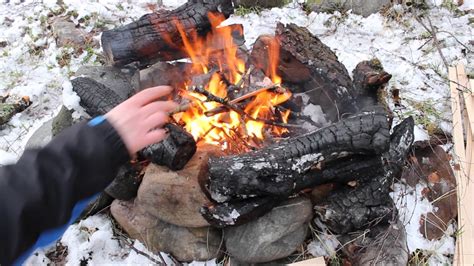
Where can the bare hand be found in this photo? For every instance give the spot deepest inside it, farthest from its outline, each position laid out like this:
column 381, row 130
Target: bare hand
column 139, row 120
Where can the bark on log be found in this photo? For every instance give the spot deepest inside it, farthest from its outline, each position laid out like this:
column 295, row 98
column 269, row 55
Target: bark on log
column 307, row 63
column 126, row 183
column 156, row 36
column 96, row 98
column 174, row 151
column 238, row 212
column 248, row 175
column 369, row 203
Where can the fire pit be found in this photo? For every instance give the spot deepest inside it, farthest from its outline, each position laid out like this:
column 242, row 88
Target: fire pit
column 244, row 154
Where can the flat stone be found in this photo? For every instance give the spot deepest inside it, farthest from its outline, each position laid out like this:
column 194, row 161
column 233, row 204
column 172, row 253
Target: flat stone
column 123, row 81
column 66, row 33
column 176, row 196
column 273, row 236
column 162, row 73
column 61, row 121
column 41, row 137
column 185, row 244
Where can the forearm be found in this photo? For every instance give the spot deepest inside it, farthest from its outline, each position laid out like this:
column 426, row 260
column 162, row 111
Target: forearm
column 40, row 191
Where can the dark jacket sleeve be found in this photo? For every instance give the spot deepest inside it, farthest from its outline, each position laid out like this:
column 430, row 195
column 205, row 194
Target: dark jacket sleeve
column 40, row 190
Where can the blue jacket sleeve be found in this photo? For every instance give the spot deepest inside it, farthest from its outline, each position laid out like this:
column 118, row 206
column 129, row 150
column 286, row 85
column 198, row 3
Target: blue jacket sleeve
column 40, row 190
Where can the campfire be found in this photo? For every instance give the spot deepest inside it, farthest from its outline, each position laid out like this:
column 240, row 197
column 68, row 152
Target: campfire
column 225, row 108
column 238, row 143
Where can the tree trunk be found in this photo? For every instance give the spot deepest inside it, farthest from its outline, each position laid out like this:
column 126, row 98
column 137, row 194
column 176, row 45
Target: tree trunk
column 156, row 36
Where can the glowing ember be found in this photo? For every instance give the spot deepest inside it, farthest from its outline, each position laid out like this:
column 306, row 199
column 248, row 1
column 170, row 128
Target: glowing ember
column 230, row 125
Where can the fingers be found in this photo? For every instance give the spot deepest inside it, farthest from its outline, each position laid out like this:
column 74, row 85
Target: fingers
column 154, row 136
column 156, row 120
column 159, row 106
column 151, row 94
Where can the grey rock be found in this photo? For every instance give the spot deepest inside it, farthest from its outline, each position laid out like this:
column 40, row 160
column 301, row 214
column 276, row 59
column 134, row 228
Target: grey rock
column 163, row 73
column 176, row 196
column 273, row 236
column 41, row 137
column 61, row 121
column 123, row 81
column 66, row 33
column 185, row 244
column 359, row 7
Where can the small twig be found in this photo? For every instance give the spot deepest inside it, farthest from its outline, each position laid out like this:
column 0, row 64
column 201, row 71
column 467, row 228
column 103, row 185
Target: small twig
column 233, row 107
column 456, row 39
column 221, row 109
column 433, row 33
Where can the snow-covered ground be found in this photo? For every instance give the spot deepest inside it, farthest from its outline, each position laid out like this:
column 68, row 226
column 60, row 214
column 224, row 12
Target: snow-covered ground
column 31, row 64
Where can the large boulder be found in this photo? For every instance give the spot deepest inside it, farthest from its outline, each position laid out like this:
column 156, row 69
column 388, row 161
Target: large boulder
column 185, row 244
column 273, row 236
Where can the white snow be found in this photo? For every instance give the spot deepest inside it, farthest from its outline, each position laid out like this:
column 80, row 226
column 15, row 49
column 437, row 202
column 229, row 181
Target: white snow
column 417, row 69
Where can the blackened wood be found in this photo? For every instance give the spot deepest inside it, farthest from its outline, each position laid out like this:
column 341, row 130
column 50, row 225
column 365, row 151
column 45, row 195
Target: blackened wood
column 238, row 212
column 96, row 98
column 369, row 78
column 309, row 64
column 174, row 151
column 281, row 164
column 369, row 203
column 126, row 183
column 99, row 204
column 156, row 36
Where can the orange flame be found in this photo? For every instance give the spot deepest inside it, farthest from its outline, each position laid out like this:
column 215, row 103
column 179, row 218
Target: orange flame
column 230, row 125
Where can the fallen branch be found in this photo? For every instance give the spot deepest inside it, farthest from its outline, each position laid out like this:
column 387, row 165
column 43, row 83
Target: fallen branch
column 431, row 29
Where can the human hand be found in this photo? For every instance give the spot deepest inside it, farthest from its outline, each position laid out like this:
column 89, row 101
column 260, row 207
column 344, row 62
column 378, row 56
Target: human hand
column 139, row 120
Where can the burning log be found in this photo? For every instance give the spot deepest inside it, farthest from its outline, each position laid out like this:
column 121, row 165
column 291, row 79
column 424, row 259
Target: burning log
column 350, row 209
column 307, row 63
column 280, row 165
column 174, row 151
column 156, row 35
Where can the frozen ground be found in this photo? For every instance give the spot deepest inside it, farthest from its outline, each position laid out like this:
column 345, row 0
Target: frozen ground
column 31, row 64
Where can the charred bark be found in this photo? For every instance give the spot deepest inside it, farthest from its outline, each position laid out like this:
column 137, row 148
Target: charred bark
column 174, row 151
column 126, row 183
column 282, row 164
column 369, row 203
column 369, row 79
column 96, row 98
column 156, row 36
column 238, row 212
column 306, row 63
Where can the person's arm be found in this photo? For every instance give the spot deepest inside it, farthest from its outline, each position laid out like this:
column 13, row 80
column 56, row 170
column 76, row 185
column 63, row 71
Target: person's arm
column 40, row 190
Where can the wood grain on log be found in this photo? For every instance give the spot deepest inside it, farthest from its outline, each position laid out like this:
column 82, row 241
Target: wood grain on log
column 249, row 174
column 156, row 36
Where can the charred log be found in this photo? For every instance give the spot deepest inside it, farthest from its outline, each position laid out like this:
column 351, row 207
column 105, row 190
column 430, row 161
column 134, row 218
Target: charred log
column 156, row 35
column 369, row 79
column 100, row 203
column 248, row 175
column 96, row 98
column 126, row 183
column 238, row 212
column 369, row 203
column 307, row 63
column 174, row 151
